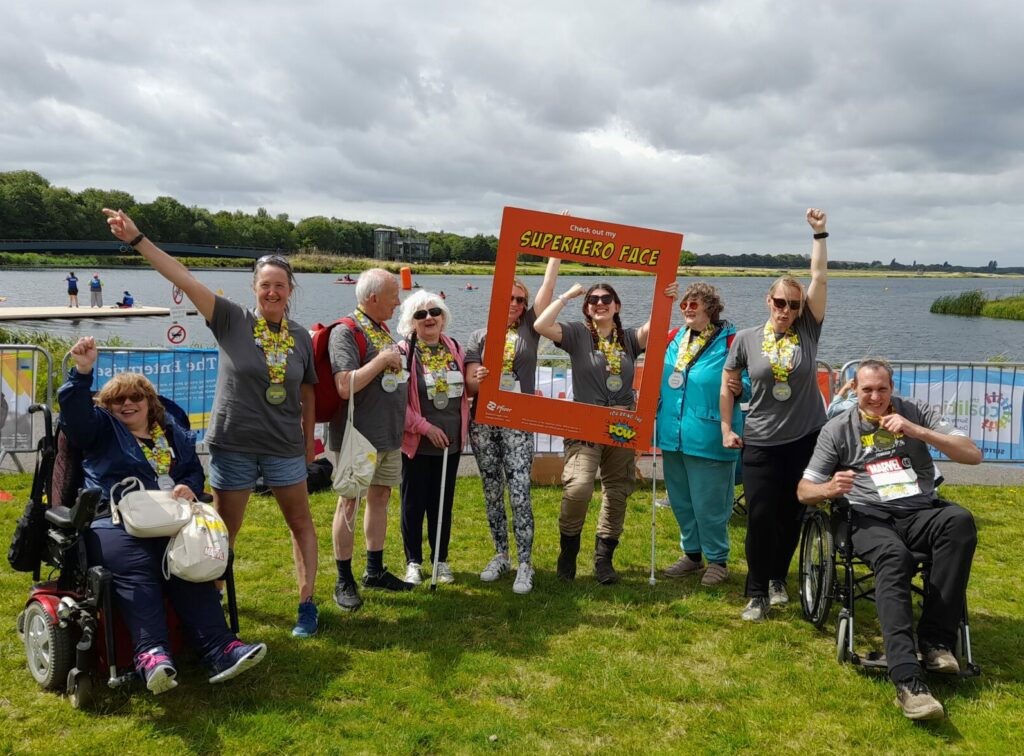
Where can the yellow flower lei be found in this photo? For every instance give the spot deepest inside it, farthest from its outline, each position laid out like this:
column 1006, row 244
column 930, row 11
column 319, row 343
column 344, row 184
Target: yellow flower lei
column 509, row 355
column 160, row 455
column 611, row 351
column 436, row 363
column 685, row 356
column 779, row 352
column 379, row 337
column 276, row 347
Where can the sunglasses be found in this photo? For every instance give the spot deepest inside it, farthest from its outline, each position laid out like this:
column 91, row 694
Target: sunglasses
column 434, row 312
column 518, row 300
column 605, row 299
column 274, row 260
column 780, row 303
column 133, row 398
column 692, row 305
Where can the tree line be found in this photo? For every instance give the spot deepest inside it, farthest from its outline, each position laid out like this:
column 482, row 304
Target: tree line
column 32, row 209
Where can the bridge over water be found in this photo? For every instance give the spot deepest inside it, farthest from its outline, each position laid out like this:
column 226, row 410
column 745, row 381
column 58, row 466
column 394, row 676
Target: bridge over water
column 86, row 247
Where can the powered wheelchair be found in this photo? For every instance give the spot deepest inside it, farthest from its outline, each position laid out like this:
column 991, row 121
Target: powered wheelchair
column 72, row 636
column 826, row 549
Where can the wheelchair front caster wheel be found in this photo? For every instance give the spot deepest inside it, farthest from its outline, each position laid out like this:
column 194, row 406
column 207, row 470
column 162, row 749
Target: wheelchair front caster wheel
column 80, row 689
column 842, row 641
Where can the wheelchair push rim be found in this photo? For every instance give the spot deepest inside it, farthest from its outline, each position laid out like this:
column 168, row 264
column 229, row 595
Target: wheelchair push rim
column 817, row 567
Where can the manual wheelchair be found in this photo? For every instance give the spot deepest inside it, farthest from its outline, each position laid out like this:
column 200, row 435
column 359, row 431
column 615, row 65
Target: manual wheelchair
column 826, row 548
column 72, row 636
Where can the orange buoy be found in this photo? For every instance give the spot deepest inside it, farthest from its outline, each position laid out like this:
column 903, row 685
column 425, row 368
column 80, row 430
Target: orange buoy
column 406, row 273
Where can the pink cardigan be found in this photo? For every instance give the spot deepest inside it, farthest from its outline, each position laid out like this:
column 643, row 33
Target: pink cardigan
column 415, row 424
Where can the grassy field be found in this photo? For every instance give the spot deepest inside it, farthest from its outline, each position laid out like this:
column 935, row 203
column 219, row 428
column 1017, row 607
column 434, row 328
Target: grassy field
column 576, row 668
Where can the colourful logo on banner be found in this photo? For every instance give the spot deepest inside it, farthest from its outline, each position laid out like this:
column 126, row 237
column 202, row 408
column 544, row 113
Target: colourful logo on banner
column 997, row 413
column 621, row 432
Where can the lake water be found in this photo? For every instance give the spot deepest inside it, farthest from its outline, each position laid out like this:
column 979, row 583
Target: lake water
column 866, row 316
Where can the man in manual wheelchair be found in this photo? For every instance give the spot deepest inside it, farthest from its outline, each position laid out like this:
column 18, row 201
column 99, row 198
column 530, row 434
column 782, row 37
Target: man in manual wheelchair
column 875, row 455
column 126, row 432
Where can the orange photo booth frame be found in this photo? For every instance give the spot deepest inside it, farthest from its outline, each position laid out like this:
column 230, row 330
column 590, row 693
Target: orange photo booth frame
column 597, row 243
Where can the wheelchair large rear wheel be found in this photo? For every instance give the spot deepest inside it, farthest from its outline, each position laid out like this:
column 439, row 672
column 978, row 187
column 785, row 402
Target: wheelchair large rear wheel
column 49, row 648
column 817, row 567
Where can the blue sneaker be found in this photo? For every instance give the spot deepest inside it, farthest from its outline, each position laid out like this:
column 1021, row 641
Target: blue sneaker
column 306, row 625
column 156, row 668
column 235, row 659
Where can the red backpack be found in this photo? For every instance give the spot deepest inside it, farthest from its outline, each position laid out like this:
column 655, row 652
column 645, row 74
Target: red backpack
column 327, row 401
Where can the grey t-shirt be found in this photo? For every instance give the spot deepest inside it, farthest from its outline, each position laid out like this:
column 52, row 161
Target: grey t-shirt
column 590, row 368
column 524, row 363
column 893, row 473
column 378, row 415
column 770, row 422
column 242, row 420
column 448, row 419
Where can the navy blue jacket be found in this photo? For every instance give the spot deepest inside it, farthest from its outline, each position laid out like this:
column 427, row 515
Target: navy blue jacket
column 111, row 452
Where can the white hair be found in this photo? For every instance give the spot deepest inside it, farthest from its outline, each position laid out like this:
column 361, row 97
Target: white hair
column 421, row 300
column 372, row 282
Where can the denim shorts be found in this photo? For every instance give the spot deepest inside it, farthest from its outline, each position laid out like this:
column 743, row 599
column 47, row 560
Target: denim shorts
column 237, row 471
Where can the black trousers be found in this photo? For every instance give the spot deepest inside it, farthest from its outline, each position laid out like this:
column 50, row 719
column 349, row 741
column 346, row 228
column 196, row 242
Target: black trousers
column 420, row 489
column 885, row 543
column 774, row 514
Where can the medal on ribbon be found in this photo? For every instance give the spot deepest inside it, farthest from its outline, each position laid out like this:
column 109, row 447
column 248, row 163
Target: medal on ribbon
column 613, row 356
column 508, row 376
column 276, row 348
column 160, row 456
column 380, row 337
column 435, row 362
column 686, row 355
column 780, row 353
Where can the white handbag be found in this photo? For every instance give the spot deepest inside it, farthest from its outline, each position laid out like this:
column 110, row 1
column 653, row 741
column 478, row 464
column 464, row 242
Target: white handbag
column 199, row 551
column 357, row 460
column 147, row 514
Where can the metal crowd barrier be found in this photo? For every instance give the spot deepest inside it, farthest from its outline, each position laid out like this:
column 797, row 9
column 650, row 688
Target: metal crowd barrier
column 19, row 372
column 983, row 399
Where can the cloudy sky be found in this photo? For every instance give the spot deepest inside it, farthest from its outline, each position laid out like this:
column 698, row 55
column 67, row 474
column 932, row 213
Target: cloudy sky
column 721, row 120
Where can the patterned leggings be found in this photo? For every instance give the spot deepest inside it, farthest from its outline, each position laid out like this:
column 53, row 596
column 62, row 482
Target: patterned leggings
column 506, row 455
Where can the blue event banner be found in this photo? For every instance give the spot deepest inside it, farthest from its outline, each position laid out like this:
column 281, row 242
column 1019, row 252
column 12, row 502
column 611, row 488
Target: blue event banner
column 188, row 377
column 984, row 401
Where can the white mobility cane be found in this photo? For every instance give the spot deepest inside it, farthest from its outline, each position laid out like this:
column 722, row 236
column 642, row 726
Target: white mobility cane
column 440, row 520
column 654, row 506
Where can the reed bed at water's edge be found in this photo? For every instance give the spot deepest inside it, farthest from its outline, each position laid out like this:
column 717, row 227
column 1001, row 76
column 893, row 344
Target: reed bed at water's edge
column 975, row 303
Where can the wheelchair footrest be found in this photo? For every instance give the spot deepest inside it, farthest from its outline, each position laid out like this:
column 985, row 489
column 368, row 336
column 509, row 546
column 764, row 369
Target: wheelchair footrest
column 871, row 660
column 970, row 670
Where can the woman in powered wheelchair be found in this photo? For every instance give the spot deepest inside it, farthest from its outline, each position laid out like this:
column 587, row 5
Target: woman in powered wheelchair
column 125, row 432
column 872, row 465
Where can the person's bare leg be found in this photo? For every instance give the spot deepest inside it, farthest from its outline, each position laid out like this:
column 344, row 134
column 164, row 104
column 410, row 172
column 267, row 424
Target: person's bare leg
column 343, row 528
column 294, row 503
column 375, row 518
column 230, row 505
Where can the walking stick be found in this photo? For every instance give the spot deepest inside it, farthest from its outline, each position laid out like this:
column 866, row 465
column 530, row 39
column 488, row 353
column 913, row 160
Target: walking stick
column 654, row 505
column 440, row 520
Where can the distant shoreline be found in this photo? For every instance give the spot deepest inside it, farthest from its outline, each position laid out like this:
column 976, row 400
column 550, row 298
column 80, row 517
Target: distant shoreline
column 341, row 265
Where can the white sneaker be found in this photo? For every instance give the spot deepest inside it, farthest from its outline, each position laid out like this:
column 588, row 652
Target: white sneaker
column 524, row 579
column 444, row 573
column 777, row 595
column 495, row 568
column 413, row 574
